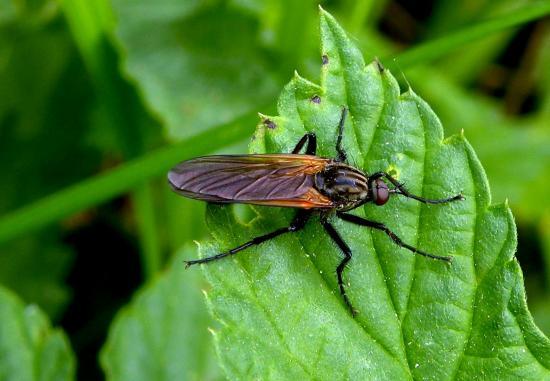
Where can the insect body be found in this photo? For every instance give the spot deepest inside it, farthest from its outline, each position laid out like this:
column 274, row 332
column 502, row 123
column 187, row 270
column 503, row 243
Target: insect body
column 303, row 181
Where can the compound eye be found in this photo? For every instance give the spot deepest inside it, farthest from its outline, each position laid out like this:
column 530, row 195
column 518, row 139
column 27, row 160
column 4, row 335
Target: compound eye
column 380, row 192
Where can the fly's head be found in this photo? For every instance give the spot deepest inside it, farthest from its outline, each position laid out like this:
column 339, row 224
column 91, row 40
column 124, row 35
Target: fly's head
column 380, row 193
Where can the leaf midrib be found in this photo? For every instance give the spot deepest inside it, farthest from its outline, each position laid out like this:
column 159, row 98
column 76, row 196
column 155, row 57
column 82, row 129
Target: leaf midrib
column 364, row 154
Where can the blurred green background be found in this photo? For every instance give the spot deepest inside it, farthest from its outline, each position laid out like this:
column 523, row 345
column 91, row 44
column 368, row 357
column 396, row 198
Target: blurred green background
column 94, row 93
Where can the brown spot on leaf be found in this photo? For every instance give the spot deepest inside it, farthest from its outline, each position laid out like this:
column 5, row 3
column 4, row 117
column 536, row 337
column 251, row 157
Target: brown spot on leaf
column 316, row 99
column 270, row 124
column 381, row 67
column 324, row 59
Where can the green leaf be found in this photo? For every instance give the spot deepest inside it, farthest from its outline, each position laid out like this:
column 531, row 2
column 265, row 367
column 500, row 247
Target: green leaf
column 43, row 113
column 38, row 279
column 163, row 334
column 187, row 65
column 29, row 348
column 278, row 303
column 499, row 141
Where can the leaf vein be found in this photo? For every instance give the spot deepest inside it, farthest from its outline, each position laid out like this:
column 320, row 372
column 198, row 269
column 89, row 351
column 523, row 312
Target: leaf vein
column 272, row 323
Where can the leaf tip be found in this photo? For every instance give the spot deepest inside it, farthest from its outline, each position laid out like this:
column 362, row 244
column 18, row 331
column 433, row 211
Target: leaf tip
column 304, row 88
column 326, row 16
column 269, row 123
column 212, row 331
column 455, row 139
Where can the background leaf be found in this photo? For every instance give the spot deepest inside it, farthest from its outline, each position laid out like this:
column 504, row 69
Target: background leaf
column 29, row 348
column 167, row 318
column 173, row 45
column 510, row 148
column 280, row 310
column 48, row 121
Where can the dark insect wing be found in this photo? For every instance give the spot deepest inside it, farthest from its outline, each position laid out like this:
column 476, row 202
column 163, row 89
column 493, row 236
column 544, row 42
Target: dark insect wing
column 276, row 180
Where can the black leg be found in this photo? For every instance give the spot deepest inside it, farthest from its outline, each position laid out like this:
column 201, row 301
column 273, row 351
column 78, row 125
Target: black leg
column 311, row 148
column 342, row 156
column 380, row 226
column 347, row 256
column 297, row 223
column 400, row 189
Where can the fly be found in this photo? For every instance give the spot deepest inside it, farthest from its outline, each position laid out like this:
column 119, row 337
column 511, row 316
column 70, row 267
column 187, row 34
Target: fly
column 306, row 182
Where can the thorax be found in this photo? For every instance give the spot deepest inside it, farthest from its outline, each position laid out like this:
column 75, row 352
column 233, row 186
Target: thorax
column 345, row 185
